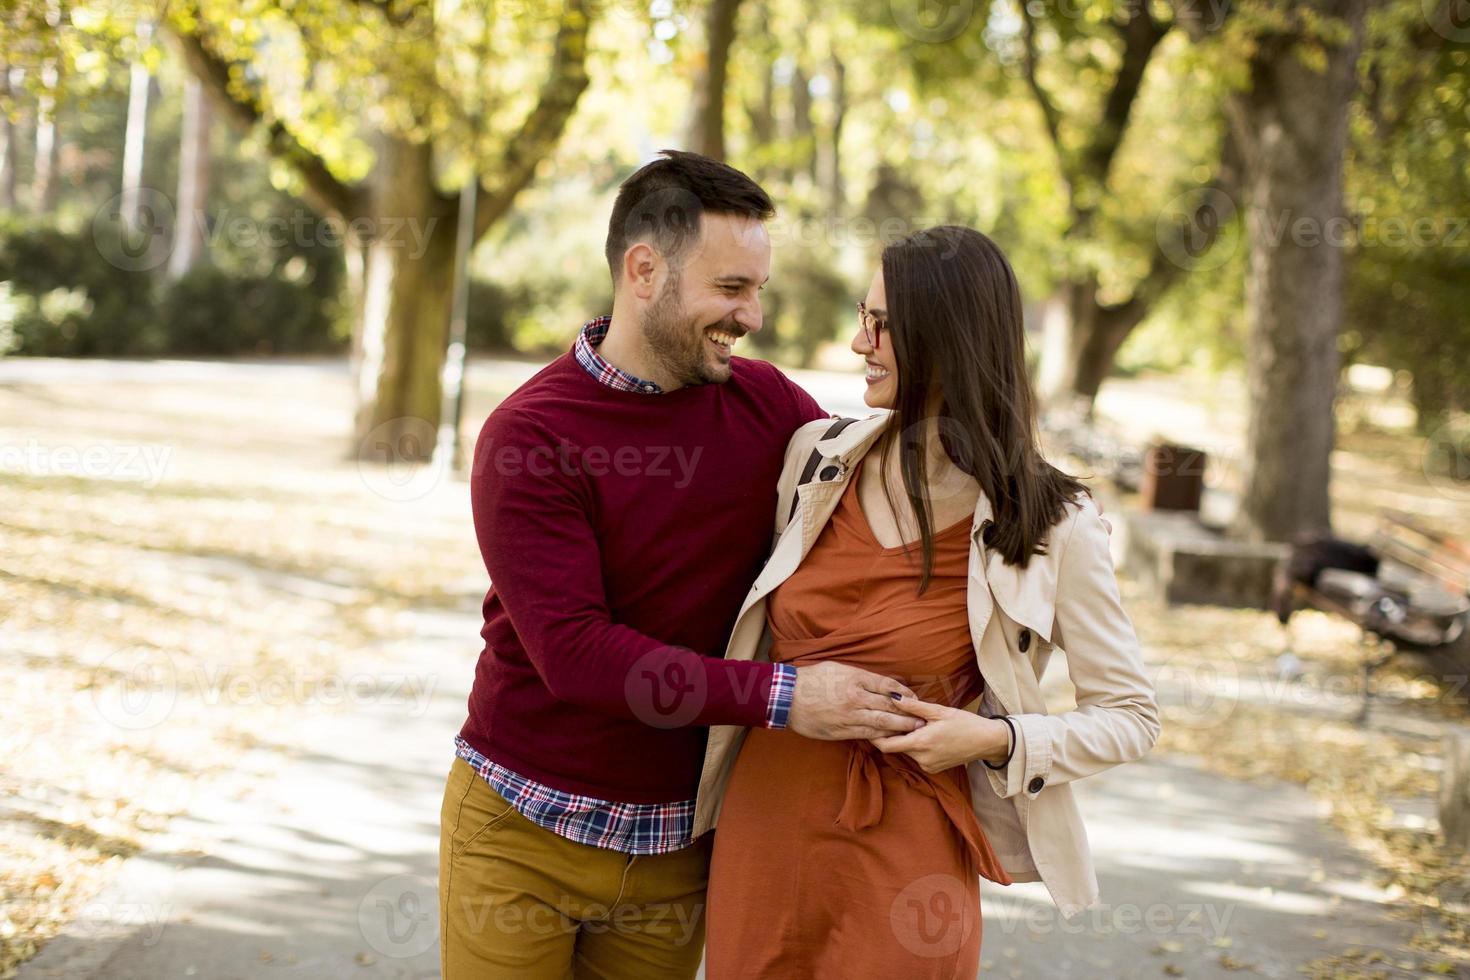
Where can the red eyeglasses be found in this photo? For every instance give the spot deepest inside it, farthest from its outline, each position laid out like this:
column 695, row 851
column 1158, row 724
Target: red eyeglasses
column 873, row 324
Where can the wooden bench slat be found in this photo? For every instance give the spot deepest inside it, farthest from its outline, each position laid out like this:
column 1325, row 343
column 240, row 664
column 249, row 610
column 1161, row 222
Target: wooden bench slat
column 1403, row 539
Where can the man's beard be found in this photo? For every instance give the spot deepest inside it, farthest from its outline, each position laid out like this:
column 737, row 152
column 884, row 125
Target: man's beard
column 677, row 343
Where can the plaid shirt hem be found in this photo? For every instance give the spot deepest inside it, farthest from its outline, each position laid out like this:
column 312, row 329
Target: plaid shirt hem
column 630, row 828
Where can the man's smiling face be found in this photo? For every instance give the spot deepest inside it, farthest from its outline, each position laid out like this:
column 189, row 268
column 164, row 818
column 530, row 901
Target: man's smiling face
column 710, row 301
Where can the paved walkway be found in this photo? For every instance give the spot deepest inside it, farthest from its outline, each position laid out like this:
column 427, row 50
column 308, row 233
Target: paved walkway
column 327, row 869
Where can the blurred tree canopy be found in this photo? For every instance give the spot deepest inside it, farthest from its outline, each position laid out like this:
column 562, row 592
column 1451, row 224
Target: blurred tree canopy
column 1113, row 147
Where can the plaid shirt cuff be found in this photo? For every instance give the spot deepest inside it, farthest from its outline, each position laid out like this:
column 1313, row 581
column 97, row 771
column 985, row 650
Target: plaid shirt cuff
column 783, row 689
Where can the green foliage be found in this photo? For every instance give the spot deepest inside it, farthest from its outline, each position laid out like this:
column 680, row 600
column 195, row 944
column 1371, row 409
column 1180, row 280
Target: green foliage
column 1408, row 192
column 1407, row 311
column 64, row 297
column 954, row 117
column 208, row 312
column 1199, row 327
column 810, row 305
column 490, row 311
column 545, row 267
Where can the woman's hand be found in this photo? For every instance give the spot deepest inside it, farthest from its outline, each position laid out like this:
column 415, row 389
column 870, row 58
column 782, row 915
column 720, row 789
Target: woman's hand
column 950, row 736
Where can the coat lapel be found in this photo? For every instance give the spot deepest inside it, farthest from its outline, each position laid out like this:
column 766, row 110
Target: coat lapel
column 1028, row 596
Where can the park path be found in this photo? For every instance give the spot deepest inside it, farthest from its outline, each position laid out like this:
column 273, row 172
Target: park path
column 325, row 867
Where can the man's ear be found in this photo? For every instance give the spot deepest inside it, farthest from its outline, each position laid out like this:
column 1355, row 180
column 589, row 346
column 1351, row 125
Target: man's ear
column 640, row 269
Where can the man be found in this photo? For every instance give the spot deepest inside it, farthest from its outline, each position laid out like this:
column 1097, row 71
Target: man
column 624, row 500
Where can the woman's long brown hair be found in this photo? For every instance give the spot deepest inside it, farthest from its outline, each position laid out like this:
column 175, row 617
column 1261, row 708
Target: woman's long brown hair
column 954, row 312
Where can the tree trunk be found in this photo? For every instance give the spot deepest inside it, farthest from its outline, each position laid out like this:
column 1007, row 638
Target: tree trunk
column 1080, row 341
column 400, row 245
column 830, row 149
column 408, row 267
column 192, row 212
column 354, row 267
column 135, row 135
column 7, row 144
column 707, row 127
column 43, row 180
column 801, row 130
column 763, row 112
column 1292, row 126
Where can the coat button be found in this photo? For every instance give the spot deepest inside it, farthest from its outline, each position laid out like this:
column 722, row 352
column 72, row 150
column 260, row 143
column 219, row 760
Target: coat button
column 1036, row 783
column 829, row 473
column 1025, row 640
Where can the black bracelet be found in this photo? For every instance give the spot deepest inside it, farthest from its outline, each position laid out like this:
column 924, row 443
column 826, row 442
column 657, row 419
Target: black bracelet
column 1012, row 750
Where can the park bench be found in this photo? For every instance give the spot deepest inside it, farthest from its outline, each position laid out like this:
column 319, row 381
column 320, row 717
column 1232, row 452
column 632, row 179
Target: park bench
column 1407, row 590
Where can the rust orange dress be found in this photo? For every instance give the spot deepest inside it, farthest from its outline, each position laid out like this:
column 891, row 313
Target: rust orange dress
column 832, row 859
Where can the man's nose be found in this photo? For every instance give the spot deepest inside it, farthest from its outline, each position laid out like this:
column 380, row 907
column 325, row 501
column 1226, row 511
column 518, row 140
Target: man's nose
column 750, row 317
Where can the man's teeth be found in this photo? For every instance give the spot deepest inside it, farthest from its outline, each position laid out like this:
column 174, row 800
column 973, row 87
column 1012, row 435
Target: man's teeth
column 726, row 339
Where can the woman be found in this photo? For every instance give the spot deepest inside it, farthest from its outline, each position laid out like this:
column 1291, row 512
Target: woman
column 935, row 545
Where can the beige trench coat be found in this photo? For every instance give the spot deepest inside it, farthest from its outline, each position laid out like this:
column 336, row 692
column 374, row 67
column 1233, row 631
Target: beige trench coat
column 1067, row 597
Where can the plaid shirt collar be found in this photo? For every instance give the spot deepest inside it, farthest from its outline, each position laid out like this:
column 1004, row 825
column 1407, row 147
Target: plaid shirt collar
column 585, row 349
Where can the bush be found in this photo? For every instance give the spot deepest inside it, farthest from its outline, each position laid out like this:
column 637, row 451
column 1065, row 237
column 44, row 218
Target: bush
column 809, row 304
column 1406, row 310
column 208, row 312
column 65, row 298
column 491, row 308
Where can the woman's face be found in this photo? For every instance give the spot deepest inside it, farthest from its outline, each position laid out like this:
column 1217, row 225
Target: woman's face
column 882, row 365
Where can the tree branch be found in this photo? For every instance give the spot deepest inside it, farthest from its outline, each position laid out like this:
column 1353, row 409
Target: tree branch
column 398, row 15
column 1194, row 16
column 1049, row 113
column 1141, row 34
column 542, row 128
column 1389, row 112
column 1164, row 271
column 707, row 125
column 323, row 191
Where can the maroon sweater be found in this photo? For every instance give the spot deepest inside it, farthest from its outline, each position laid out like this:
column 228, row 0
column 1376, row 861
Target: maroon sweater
column 621, row 531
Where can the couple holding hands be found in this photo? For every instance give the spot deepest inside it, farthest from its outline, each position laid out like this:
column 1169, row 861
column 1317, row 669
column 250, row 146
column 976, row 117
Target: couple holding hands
column 780, row 708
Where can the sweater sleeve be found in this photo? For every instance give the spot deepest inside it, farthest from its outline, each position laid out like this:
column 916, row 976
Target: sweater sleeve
column 543, row 556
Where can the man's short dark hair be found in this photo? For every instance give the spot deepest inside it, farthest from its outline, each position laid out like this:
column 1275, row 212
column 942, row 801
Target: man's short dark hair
column 662, row 202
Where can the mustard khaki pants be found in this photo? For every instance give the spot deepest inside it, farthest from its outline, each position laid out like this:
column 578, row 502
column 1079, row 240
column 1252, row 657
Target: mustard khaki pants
column 518, row 901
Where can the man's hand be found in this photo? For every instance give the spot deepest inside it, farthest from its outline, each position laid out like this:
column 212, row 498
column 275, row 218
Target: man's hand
column 835, row 701
column 950, row 736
